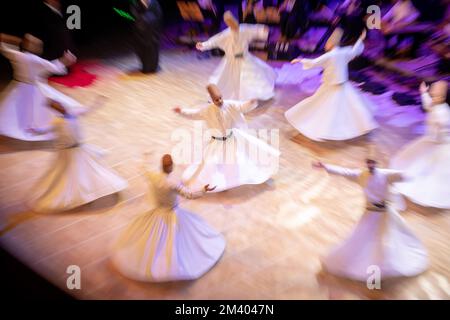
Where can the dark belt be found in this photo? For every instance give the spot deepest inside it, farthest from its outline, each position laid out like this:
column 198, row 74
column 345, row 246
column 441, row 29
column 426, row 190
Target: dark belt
column 377, row 206
column 222, row 138
column 239, row 55
column 75, row 145
column 381, row 205
column 29, row 82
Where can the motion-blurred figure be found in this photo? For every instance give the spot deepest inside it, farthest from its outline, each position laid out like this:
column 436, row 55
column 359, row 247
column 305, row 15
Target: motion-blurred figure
column 226, row 162
column 241, row 75
column 75, row 177
column 381, row 238
column 293, row 17
column 167, row 243
column 426, row 160
column 337, row 111
column 147, row 33
column 23, row 104
column 52, row 30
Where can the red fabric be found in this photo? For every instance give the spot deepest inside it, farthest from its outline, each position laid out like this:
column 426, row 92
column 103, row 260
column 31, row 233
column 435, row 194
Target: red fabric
column 77, row 77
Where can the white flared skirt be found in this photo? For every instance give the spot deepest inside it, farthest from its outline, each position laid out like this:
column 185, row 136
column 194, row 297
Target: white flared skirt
column 380, row 240
column 245, row 79
column 334, row 112
column 25, row 105
column 167, row 244
column 240, row 160
column 74, row 178
column 426, row 164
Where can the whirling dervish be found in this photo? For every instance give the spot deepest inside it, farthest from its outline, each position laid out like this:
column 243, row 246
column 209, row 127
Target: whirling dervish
column 426, row 160
column 75, row 177
column 168, row 243
column 241, row 75
column 23, row 104
column 336, row 111
column 381, row 238
column 232, row 157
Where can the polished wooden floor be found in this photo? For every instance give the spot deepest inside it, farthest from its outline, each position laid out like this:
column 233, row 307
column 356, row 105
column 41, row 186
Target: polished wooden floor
column 275, row 232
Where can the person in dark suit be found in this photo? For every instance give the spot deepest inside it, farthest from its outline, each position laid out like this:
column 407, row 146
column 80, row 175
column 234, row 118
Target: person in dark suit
column 147, row 33
column 52, row 30
column 293, row 18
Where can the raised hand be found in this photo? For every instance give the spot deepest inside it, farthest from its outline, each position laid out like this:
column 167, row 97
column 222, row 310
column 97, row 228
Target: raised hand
column 68, row 58
column 177, row 110
column 363, row 34
column 199, row 46
column 423, row 87
column 318, row 165
column 208, row 189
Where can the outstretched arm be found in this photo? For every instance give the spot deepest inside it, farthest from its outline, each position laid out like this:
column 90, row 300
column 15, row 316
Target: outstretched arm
column 211, row 43
column 395, row 175
column 248, row 106
column 57, row 66
column 194, row 114
column 257, row 32
column 358, row 47
column 312, row 63
column 337, row 170
column 188, row 194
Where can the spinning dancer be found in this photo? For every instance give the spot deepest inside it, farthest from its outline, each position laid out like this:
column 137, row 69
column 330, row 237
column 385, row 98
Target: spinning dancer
column 337, row 111
column 232, row 157
column 381, row 238
column 241, row 75
column 426, row 160
column 23, row 104
column 75, row 177
column 168, row 243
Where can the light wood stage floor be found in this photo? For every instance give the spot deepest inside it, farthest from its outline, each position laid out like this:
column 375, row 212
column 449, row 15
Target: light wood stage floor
column 275, row 232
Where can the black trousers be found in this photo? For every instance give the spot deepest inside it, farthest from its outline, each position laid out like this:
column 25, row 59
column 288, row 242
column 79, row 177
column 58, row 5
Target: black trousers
column 148, row 53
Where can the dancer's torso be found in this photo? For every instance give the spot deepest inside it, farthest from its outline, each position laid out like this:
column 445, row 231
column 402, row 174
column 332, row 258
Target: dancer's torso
column 335, row 69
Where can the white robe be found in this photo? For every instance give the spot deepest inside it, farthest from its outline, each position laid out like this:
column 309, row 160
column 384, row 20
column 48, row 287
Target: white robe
column 426, row 160
column 336, row 111
column 242, row 78
column 75, row 177
column 241, row 159
column 23, row 104
column 167, row 243
column 381, row 238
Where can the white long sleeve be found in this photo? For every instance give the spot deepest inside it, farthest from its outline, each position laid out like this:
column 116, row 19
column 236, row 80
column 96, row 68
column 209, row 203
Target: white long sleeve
column 341, row 171
column 357, row 49
column 426, row 101
column 247, row 106
column 215, row 41
column 317, row 62
column 190, row 113
column 53, row 67
column 187, row 193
